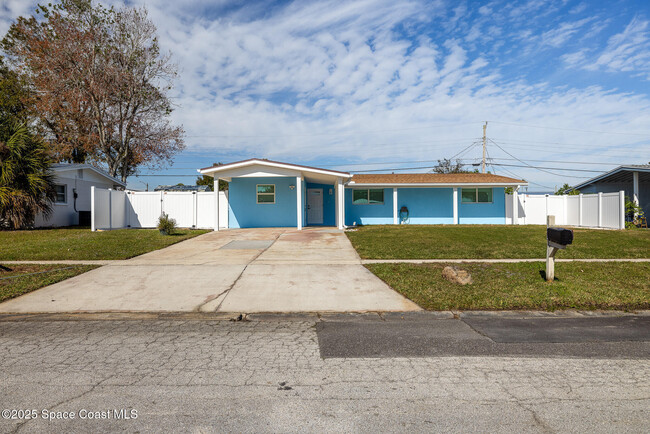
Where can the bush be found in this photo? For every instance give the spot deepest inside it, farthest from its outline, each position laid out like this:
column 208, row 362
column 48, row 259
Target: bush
column 166, row 225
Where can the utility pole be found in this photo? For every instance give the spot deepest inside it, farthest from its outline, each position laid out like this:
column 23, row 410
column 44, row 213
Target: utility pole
column 484, row 149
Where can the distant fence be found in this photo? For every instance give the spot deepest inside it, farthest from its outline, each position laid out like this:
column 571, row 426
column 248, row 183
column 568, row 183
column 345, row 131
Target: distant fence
column 600, row 210
column 113, row 209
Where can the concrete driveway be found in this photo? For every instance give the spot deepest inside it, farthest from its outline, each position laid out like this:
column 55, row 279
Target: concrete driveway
column 245, row 270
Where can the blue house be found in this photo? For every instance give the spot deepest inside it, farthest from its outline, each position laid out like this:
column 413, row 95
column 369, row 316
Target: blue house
column 264, row 193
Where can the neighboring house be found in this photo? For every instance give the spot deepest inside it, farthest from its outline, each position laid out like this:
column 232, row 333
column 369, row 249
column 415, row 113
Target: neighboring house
column 633, row 179
column 265, row 193
column 200, row 188
column 72, row 204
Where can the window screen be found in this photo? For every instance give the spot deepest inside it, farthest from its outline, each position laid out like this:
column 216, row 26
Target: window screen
column 360, row 197
column 265, row 193
column 60, row 194
column 368, row 197
column 376, row 196
column 485, row 195
column 476, row 195
column 468, row 195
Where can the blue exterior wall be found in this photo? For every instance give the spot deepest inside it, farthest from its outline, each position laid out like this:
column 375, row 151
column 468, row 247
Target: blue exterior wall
column 375, row 214
column 484, row 213
column 427, row 206
column 245, row 212
column 329, row 203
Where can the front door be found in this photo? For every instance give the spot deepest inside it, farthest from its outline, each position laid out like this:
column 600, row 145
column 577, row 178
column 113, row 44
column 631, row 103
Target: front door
column 314, row 206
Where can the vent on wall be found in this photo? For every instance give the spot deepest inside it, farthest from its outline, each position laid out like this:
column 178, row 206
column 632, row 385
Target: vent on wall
column 80, row 173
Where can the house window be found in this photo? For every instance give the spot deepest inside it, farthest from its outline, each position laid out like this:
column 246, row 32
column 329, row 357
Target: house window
column 368, row 197
column 265, row 193
column 61, row 196
column 476, row 195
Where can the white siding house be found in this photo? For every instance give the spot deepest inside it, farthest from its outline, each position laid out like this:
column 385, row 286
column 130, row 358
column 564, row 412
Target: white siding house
column 73, row 182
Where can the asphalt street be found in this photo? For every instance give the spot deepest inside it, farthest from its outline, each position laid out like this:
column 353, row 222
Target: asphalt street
column 362, row 373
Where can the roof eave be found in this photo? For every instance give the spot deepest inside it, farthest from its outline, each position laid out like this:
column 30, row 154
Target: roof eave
column 225, row 167
column 437, row 184
column 94, row 169
column 611, row 172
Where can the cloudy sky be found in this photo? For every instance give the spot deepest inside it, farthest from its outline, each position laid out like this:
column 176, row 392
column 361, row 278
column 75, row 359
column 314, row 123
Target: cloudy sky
column 382, row 85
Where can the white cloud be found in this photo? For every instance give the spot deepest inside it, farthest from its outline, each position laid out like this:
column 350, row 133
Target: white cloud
column 340, row 80
column 628, row 50
column 560, row 35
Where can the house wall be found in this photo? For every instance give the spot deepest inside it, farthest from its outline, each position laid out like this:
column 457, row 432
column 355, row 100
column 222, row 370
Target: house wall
column 329, row 203
column 65, row 214
column 612, row 187
column 483, row 213
column 427, row 206
column 245, row 212
column 375, row 214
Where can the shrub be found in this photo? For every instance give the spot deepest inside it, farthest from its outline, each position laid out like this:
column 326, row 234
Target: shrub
column 166, row 225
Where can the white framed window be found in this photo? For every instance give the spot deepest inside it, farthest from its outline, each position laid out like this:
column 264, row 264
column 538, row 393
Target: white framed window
column 265, row 193
column 368, row 196
column 476, row 195
column 61, row 194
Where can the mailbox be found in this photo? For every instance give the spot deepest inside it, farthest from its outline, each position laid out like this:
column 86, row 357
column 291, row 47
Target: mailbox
column 560, row 236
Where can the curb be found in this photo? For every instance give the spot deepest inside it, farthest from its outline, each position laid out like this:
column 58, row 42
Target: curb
column 311, row 316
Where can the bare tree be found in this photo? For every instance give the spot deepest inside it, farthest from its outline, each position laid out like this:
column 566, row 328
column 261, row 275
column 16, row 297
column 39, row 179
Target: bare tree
column 447, row 166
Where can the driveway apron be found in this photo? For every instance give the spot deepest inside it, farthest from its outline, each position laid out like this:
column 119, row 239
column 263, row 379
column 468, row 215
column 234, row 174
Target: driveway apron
column 243, row 270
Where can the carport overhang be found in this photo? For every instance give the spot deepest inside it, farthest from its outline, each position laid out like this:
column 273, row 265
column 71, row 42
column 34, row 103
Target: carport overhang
column 255, row 168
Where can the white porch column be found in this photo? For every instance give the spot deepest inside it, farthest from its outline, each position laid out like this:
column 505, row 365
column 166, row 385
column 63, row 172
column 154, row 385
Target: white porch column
column 216, row 203
column 395, row 219
column 299, row 202
column 635, row 188
column 455, row 205
column 515, row 207
column 340, row 204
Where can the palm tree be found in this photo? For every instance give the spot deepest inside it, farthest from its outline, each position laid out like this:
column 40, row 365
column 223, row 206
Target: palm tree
column 26, row 180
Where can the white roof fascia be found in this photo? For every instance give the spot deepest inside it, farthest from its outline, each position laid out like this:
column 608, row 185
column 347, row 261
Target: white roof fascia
column 438, row 184
column 226, row 167
column 89, row 167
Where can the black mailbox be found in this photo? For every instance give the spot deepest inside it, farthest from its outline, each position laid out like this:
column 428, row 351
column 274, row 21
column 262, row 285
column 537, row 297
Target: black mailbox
column 560, row 236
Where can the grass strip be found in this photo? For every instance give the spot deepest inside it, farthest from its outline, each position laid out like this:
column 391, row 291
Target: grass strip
column 491, row 242
column 82, row 244
column 20, row 279
column 514, row 286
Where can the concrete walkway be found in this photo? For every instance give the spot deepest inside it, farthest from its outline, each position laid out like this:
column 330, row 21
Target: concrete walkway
column 249, row 270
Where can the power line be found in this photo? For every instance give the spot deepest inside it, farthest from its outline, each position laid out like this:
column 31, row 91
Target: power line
column 571, row 129
column 539, row 168
column 528, row 166
column 589, row 145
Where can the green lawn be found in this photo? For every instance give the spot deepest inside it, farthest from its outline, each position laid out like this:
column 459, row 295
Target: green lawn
column 20, row 279
column 82, row 244
column 497, row 242
column 624, row 286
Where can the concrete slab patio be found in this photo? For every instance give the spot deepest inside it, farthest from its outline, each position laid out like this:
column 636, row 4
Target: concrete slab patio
column 241, row 271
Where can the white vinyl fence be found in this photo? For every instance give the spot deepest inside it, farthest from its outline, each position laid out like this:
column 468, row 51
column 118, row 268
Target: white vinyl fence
column 113, row 209
column 600, row 210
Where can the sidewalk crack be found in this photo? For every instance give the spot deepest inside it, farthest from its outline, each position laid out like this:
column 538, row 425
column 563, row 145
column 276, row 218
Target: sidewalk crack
column 232, row 285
